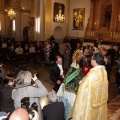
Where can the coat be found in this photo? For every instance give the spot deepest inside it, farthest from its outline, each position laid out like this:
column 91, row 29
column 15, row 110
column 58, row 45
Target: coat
column 20, row 91
column 55, row 72
column 54, row 111
column 92, row 96
column 55, row 75
column 6, row 102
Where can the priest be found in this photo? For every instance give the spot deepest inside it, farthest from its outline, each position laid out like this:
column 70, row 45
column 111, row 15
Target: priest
column 92, row 94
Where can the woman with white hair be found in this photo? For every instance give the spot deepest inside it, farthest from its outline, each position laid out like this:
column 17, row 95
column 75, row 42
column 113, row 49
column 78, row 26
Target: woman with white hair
column 55, row 110
column 25, row 89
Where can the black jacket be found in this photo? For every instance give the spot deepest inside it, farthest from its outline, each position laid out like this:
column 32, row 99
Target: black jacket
column 111, row 52
column 54, row 52
column 6, row 101
column 108, row 70
column 54, row 111
column 55, row 72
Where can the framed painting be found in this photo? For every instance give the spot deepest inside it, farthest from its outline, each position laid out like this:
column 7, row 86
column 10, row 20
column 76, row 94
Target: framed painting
column 59, row 11
column 78, row 18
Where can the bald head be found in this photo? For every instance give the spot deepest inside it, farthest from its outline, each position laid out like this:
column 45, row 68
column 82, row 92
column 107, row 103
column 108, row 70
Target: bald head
column 19, row 114
column 59, row 60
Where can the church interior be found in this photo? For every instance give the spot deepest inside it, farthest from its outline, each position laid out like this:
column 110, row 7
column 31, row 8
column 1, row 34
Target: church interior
column 87, row 21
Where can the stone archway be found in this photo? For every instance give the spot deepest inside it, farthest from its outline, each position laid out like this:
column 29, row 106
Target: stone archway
column 58, row 33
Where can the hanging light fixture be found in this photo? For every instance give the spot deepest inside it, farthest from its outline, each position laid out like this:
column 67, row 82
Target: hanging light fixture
column 11, row 13
column 59, row 17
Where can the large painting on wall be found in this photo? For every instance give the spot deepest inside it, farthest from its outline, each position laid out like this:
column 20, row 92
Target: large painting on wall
column 78, row 18
column 59, row 12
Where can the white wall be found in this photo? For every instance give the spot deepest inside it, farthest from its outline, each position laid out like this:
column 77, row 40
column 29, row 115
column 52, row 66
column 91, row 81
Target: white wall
column 78, row 4
column 54, row 25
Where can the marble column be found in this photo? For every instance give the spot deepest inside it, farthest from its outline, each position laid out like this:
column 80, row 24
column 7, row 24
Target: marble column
column 42, row 20
column 17, row 33
column 115, row 13
column 98, row 17
column 67, row 13
column 91, row 18
column 90, row 21
column 39, row 12
column 36, row 15
column 48, row 10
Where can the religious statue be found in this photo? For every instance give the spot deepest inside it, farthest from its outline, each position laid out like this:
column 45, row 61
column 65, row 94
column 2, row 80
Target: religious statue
column 107, row 16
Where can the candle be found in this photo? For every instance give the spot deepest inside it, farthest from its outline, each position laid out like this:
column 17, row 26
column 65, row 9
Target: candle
column 116, row 35
column 110, row 34
column 88, row 33
column 93, row 33
column 0, row 25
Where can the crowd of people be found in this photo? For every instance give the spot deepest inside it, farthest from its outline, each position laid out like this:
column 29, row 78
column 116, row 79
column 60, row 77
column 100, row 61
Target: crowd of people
column 20, row 47
column 23, row 51
column 84, row 89
column 80, row 76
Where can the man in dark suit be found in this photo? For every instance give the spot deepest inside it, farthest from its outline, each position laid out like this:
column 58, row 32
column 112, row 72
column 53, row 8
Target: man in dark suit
column 54, row 51
column 56, row 73
column 111, row 52
column 55, row 110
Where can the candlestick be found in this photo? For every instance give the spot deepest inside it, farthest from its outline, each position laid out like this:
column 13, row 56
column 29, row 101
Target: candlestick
column 0, row 25
column 116, row 35
column 110, row 34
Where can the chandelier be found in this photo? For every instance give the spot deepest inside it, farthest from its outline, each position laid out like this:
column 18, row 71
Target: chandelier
column 11, row 13
column 59, row 17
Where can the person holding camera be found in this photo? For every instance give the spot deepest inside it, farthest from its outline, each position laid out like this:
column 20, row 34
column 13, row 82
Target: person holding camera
column 24, row 89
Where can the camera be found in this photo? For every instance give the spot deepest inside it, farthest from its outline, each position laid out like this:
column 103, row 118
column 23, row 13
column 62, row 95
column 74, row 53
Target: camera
column 25, row 103
column 33, row 82
column 37, row 75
